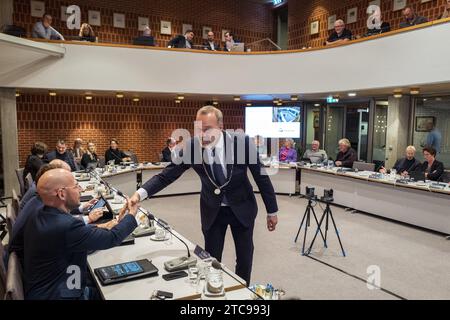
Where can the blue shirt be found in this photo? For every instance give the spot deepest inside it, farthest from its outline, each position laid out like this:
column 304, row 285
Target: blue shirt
column 434, row 139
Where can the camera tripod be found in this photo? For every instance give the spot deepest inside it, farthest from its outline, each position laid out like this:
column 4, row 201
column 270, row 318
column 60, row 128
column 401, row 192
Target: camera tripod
column 327, row 214
column 306, row 219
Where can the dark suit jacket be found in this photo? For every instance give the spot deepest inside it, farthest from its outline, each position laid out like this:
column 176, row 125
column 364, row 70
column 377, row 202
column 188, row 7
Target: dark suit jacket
column 55, row 244
column 166, row 155
column 179, row 42
column 347, row 158
column 116, row 155
column 239, row 191
column 66, row 157
column 207, row 46
column 400, row 165
column 436, row 170
column 144, row 41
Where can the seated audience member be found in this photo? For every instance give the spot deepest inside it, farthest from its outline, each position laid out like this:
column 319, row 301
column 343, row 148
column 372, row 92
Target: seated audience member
column 384, row 27
column 183, row 41
column 340, row 33
column 167, row 151
column 446, row 12
column 113, row 153
column 33, row 203
column 87, row 33
column 210, row 44
column 315, row 155
column 78, row 150
column 44, row 30
column 407, row 164
column 433, row 169
column 288, row 152
column 56, row 242
column 411, row 18
column 63, row 154
column 90, row 156
column 34, row 161
column 146, row 39
column 346, row 155
column 229, row 41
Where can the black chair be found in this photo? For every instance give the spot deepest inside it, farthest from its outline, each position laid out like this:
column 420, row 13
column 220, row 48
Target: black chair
column 445, row 177
column 15, row 31
column 378, row 164
column 14, row 282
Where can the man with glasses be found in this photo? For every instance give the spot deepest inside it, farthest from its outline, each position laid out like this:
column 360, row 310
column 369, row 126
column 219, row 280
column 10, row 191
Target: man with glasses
column 56, row 243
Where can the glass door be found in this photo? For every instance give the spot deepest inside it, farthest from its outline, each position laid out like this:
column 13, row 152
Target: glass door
column 357, row 128
column 334, row 129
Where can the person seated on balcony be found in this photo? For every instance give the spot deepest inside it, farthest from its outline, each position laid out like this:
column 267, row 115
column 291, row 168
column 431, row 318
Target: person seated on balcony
column 346, row 155
column 210, row 44
column 146, row 39
column 229, row 41
column 44, row 30
column 407, row 164
column 183, row 41
column 340, row 34
column 87, row 33
column 446, row 13
column 411, row 18
column 315, row 155
column 382, row 28
column 288, row 152
column 433, row 169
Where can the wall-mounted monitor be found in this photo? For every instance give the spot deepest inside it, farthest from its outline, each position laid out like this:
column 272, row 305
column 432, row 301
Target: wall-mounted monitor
column 273, row 122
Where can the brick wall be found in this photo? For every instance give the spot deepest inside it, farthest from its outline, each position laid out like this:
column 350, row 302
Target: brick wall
column 140, row 126
column 250, row 21
column 302, row 13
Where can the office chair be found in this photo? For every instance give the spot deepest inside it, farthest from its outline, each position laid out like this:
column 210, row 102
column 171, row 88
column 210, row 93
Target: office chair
column 14, row 283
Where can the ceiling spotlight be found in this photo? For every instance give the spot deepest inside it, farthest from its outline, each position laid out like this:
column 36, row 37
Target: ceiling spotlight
column 414, row 91
column 136, row 99
column 17, row 94
column 88, row 97
column 438, row 99
column 177, row 101
column 180, row 97
column 249, row 104
column 317, row 105
column 237, row 98
column 119, row 95
column 280, row 103
column 52, row 93
column 398, row 94
column 352, row 94
column 294, row 98
column 215, row 103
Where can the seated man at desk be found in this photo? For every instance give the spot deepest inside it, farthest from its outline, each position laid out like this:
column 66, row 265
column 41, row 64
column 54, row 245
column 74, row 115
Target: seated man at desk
column 167, row 151
column 287, row 152
column 407, row 164
column 56, row 243
column 113, row 153
column 63, row 154
column 346, row 155
column 315, row 155
column 433, row 169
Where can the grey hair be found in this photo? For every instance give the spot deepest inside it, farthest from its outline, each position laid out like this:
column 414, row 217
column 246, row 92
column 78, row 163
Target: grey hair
column 210, row 109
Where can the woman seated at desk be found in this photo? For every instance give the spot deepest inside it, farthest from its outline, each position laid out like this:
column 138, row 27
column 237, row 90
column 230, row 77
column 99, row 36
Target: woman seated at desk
column 89, row 156
column 287, row 152
column 433, row 169
column 113, row 153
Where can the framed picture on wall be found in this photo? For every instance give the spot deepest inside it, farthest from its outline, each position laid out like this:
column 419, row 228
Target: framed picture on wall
column 205, row 31
column 119, row 20
column 423, row 123
column 399, row 5
column 166, row 27
column 316, row 123
column 94, row 18
column 352, row 15
column 37, row 8
column 315, row 27
column 331, row 21
column 142, row 23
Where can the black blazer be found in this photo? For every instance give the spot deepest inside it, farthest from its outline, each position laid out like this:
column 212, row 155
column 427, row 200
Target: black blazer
column 239, row 191
column 436, row 170
column 347, row 158
column 32, row 166
column 400, row 165
column 207, row 46
column 166, row 155
column 179, row 42
column 86, row 159
column 66, row 157
column 56, row 247
column 144, row 41
column 116, row 155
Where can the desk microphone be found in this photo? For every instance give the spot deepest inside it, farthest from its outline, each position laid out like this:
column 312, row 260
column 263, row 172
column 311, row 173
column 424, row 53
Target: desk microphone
column 217, row 265
column 171, row 265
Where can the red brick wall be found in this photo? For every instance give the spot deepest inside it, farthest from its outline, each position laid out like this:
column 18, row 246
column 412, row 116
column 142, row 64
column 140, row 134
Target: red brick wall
column 140, row 126
column 302, row 13
column 250, row 21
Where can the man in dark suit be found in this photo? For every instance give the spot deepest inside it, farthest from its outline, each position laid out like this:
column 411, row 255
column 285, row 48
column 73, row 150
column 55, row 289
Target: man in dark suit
column 61, row 153
column 221, row 160
column 210, row 44
column 56, row 243
column 183, row 41
column 167, row 151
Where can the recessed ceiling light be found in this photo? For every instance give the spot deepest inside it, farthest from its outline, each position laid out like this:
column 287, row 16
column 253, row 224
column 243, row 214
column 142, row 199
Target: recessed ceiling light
column 180, row 97
column 88, row 97
column 249, row 104
column 215, row 103
column 17, row 94
column 294, row 98
column 317, row 105
column 414, row 91
column 398, row 94
column 177, row 101
column 136, row 99
column 119, row 95
column 52, row 93
column 438, row 99
column 237, row 98
column 352, row 94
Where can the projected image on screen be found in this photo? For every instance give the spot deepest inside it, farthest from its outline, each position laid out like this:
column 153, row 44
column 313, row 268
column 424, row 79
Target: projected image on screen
column 273, row 122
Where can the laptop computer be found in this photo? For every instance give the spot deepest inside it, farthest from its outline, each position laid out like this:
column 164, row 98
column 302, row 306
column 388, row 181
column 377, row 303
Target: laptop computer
column 417, row 175
column 238, row 47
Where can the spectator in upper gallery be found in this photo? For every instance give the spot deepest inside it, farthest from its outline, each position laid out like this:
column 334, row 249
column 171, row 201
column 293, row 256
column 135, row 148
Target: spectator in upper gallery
column 113, row 153
column 44, row 30
column 90, row 156
column 433, row 169
column 411, row 18
column 210, row 44
column 446, row 13
column 407, row 164
column 63, row 154
column 167, row 151
column 346, row 155
column 146, row 39
column 434, row 137
column 34, row 161
column 340, row 33
column 315, row 155
column 229, row 41
column 288, row 152
column 183, row 41
column 78, row 150
column 382, row 28
column 87, row 33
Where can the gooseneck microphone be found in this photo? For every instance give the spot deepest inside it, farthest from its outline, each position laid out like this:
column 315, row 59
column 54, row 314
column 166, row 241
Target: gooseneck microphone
column 217, row 265
column 171, row 265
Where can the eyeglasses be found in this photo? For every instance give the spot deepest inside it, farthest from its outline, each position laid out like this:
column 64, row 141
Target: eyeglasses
column 77, row 185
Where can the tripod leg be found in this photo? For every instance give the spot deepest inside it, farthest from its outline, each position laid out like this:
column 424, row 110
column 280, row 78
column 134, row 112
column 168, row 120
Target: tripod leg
column 306, row 230
column 319, row 224
column 317, row 221
column 301, row 224
column 337, row 233
column 327, row 210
